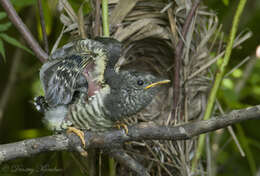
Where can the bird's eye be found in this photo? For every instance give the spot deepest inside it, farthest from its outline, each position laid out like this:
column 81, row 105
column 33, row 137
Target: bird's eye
column 140, row 82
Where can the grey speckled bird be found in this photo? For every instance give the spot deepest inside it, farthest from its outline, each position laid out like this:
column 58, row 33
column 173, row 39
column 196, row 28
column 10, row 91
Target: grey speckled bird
column 63, row 74
column 121, row 95
column 130, row 92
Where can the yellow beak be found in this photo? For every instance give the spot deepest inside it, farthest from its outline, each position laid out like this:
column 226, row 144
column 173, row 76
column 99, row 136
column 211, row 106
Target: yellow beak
column 157, row 83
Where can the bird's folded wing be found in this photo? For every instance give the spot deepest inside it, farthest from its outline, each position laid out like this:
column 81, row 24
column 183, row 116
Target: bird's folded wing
column 56, row 83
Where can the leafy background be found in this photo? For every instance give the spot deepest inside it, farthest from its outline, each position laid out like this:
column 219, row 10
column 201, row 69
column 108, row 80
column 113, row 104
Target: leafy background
column 19, row 120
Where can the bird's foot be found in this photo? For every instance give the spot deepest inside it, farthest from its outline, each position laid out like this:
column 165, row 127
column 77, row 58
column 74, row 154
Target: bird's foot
column 82, row 152
column 79, row 133
column 40, row 104
column 120, row 125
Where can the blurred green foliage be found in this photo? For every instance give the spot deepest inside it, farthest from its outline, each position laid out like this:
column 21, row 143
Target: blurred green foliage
column 22, row 121
column 229, row 160
column 4, row 37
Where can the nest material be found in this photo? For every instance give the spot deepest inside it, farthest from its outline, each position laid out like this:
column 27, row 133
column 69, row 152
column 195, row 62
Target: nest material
column 150, row 31
column 149, row 44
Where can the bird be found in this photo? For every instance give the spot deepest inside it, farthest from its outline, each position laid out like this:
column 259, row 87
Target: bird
column 63, row 74
column 120, row 94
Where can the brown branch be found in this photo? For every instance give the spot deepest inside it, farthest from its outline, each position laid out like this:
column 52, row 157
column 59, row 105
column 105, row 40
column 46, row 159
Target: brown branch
column 21, row 27
column 44, row 34
column 97, row 19
column 113, row 138
column 178, row 55
column 81, row 23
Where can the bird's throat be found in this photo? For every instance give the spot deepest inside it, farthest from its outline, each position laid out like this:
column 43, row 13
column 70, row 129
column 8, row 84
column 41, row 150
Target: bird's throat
column 93, row 86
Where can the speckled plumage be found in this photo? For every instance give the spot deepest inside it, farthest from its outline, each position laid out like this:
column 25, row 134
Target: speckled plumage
column 122, row 99
column 63, row 74
column 122, row 94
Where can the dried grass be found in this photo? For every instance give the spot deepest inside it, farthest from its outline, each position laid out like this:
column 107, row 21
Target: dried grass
column 150, row 31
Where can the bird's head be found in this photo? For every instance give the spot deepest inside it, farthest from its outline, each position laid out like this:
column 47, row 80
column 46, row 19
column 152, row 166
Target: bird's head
column 141, row 86
column 132, row 91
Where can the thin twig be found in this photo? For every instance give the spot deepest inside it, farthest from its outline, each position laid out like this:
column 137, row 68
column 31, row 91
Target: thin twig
column 209, row 155
column 42, row 21
column 218, row 78
column 81, row 23
column 247, row 72
column 97, row 19
column 158, row 161
column 110, row 139
column 173, row 26
column 56, row 44
column 207, row 65
column 69, row 10
column 178, row 55
column 231, row 132
column 21, row 27
column 127, row 160
column 237, row 66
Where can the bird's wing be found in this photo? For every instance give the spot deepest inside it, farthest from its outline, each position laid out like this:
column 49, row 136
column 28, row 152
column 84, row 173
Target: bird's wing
column 61, row 78
column 65, row 72
column 75, row 65
column 86, row 47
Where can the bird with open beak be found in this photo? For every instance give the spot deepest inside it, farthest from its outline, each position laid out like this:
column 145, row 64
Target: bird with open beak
column 90, row 63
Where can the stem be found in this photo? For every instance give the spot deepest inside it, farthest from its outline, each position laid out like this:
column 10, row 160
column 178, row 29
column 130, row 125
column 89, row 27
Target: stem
column 97, row 19
column 218, row 79
column 105, row 18
column 22, row 28
column 178, row 57
column 43, row 27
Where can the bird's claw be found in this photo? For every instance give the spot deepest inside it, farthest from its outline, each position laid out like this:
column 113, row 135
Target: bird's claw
column 120, row 125
column 79, row 133
column 82, row 152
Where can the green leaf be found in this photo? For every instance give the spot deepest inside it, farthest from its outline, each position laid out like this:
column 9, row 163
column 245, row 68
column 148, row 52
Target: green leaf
column 2, row 15
column 14, row 42
column 5, row 26
column 237, row 73
column 225, row 2
column 2, row 49
column 227, row 83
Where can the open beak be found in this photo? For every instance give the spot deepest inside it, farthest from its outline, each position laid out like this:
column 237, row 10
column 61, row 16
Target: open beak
column 157, row 83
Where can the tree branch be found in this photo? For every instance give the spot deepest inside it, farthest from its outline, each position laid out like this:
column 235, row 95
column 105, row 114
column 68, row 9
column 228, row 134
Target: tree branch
column 110, row 139
column 21, row 27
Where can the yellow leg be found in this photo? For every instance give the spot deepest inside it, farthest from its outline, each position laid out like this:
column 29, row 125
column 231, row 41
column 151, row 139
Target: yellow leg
column 79, row 133
column 120, row 125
